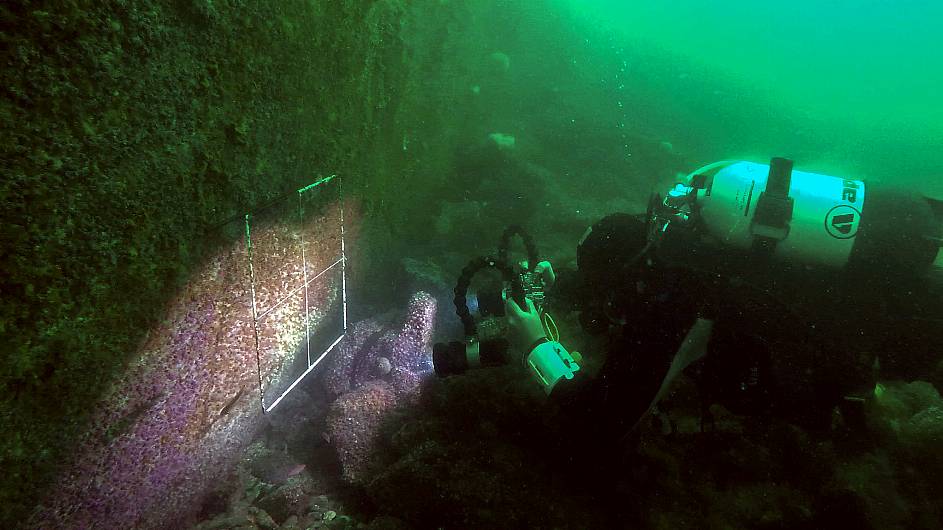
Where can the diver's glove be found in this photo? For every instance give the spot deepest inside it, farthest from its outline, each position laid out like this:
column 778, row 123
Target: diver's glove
column 545, row 270
column 524, row 325
column 547, row 361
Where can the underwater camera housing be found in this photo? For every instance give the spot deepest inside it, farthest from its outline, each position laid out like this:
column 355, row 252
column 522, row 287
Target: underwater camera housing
column 485, row 343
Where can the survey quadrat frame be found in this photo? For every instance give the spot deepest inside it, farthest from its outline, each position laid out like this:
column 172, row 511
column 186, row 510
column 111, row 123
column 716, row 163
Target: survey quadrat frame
column 320, row 275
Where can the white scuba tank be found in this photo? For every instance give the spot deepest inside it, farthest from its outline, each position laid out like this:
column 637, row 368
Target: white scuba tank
column 809, row 218
column 825, row 217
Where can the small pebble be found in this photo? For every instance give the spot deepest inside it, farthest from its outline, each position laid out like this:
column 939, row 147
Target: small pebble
column 384, row 365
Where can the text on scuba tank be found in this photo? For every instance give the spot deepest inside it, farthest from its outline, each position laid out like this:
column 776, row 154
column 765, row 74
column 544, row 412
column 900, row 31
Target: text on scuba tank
column 849, row 190
column 841, row 222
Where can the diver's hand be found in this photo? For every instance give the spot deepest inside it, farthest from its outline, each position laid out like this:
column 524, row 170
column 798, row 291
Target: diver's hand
column 524, row 326
column 545, row 269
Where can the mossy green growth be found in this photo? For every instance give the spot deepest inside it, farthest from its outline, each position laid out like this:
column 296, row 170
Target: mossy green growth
column 129, row 130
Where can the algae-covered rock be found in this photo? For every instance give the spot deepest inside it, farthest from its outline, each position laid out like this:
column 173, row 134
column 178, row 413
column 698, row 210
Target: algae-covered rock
column 388, row 522
column 909, row 417
column 425, row 274
column 471, row 456
column 271, row 467
column 896, row 400
column 923, row 435
column 290, row 499
column 262, row 519
column 872, row 480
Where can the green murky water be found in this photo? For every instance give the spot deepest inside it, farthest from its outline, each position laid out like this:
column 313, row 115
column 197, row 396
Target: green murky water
column 842, row 86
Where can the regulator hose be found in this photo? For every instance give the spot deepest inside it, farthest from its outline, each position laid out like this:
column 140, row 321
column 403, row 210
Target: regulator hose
column 708, row 168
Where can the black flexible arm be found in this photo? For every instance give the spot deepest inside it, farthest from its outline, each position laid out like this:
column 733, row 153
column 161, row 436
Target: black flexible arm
column 529, row 244
column 461, row 288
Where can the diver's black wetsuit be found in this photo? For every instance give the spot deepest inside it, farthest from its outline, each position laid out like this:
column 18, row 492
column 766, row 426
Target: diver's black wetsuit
column 763, row 357
column 656, row 310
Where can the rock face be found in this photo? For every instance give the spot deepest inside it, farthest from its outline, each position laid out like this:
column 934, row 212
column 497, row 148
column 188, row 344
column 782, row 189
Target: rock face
column 373, row 347
column 353, row 425
column 365, row 394
column 473, row 453
column 357, row 356
column 173, row 427
column 102, row 218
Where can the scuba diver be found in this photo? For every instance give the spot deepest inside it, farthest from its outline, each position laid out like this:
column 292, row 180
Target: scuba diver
column 780, row 293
